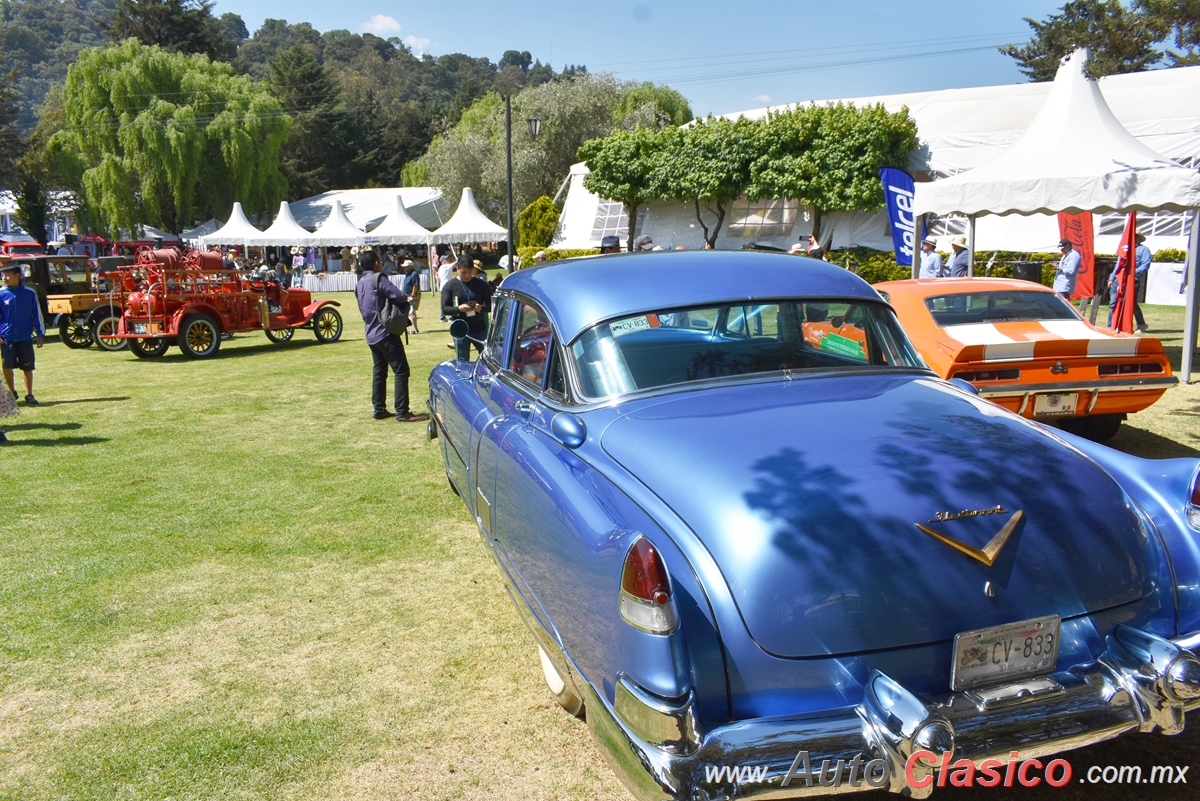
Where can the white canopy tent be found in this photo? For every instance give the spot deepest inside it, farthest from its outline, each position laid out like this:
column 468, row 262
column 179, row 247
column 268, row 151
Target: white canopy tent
column 236, row 231
column 1075, row 156
column 398, row 228
column 285, row 231
column 336, row 230
column 368, row 207
column 468, row 224
column 200, row 230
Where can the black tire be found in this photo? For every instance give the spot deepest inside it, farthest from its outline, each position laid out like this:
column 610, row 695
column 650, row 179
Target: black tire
column 72, row 334
column 148, row 348
column 1097, row 428
column 280, row 335
column 199, row 336
column 561, row 688
column 104, row 329
column 327, row 325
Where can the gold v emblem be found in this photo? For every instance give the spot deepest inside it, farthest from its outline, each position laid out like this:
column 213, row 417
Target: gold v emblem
column 990, row 551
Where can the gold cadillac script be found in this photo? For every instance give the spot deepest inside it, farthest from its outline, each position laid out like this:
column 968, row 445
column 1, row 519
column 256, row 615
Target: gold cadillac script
column 943, row 516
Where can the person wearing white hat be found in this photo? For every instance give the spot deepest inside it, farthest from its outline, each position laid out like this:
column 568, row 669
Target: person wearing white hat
column 960, row 262
column 931, row 261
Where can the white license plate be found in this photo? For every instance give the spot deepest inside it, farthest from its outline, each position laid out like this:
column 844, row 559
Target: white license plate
column 139, row 328
column 1006, row 652
column 1055, row 403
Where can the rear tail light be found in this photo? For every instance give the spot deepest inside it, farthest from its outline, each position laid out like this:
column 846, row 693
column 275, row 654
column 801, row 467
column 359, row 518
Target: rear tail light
column 1130, row 368
column 646, row 601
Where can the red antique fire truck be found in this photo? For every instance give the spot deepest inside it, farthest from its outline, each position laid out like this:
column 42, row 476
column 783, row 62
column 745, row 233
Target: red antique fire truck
column 191, row 299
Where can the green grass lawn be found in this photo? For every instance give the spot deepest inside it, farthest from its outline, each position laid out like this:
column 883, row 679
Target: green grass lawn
column 223, row 579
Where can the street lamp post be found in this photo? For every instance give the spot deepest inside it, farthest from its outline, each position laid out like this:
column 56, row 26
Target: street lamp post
column 535, row 127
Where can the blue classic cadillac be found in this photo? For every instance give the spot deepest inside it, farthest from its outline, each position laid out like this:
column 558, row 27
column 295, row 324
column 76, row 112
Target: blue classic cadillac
column 768, row 552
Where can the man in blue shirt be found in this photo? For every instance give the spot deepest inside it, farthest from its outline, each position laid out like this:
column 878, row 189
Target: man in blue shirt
column 1067, row 269
column 960, row 262
column 20, row 320
column 411, row 286
column 931, row 261
column 1142, row 257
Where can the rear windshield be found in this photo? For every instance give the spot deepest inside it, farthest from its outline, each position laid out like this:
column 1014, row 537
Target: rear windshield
column 998, row 307
column 675, row 346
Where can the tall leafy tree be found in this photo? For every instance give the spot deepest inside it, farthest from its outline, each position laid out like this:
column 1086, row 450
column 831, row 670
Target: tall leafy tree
column 185, row 26
column 572, row 111
column 1180, row 23
column 329, row 146
column 622, row 169
column 166, row 139
column 1119, row 39
column 709, row 165
column 828, row 157
column 12, row 144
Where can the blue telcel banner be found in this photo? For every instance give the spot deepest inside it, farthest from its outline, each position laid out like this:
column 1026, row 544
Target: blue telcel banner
column 898, row 193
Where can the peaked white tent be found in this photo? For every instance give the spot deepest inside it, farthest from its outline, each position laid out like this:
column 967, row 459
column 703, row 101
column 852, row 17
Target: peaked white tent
column 468, row 224
column 1075, row 156
column 337, row 229
column 204, row 229
column 284, row 231
column 398, row 228
column 237, row 231
column 368, row 207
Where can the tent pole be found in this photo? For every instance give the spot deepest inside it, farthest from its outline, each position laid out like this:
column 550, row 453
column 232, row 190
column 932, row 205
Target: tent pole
column 1189, row 320
column 971, row 245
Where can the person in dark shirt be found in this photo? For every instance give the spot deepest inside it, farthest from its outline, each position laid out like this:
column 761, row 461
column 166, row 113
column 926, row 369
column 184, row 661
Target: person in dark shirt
column 386, row 348
column 467, row 297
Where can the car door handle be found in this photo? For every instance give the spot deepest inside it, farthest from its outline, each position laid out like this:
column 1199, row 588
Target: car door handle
column 484, row 379
column 524, row 406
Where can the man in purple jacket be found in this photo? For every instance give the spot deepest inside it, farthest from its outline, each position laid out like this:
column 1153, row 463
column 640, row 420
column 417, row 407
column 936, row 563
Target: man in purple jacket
column 20, row 320
column 386, row 348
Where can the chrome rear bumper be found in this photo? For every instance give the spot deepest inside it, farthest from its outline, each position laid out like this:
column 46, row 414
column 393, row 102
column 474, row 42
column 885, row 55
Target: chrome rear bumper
column 659, row 751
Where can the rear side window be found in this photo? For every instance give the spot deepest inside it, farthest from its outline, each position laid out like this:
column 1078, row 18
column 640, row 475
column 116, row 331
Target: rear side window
column 531, row 346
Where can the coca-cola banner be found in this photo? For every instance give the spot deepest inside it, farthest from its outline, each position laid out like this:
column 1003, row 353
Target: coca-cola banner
column 1078, row 228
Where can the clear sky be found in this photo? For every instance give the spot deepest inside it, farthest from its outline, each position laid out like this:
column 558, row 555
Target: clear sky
column 722, row 55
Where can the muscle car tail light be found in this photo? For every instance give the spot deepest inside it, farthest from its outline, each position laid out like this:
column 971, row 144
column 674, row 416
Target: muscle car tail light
column 646, row 602
column 989, row 375
column 1129, row 369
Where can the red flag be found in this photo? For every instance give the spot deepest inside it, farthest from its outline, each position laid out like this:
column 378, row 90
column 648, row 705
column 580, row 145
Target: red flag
column 1126, row 278
column 1078, row 228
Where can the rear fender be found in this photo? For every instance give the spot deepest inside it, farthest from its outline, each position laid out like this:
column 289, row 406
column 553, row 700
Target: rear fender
column 1161, row 487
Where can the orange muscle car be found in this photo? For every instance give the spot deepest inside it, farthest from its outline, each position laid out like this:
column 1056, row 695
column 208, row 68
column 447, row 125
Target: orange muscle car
column 1027, row 349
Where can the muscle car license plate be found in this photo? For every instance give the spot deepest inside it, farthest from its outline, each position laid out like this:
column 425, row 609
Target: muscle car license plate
column 1055, row 403
column 1006, row 652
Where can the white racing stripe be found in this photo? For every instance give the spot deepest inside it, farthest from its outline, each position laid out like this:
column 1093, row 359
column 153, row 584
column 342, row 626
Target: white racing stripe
column 1099, row 343
column 997, row 346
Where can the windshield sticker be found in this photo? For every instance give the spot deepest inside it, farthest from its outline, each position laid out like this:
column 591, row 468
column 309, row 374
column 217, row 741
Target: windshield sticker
column 842, row 346
column 622, row 327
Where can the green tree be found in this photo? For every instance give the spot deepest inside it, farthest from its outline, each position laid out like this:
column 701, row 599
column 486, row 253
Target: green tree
column 828, row 157
column 708, row 165
column 572, row 111
column 166, row 139
column 1118, row 39
column 622, row 169
column 537, row 223
column 12, row 145
column 184, row 26
column 651, row 106
column 31, row 206
column 1180, row 22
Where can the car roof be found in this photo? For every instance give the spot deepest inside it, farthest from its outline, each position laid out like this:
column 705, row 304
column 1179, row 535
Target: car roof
column 925, row 287
column 578, row 293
